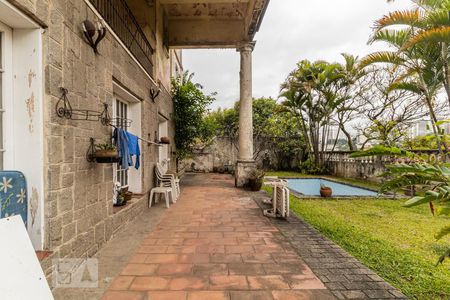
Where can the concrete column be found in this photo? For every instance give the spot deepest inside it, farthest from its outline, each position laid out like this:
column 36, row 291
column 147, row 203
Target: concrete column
column 245, row 164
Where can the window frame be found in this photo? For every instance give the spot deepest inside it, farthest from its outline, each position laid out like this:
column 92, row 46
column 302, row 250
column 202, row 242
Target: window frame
column 6, row 99
column 134, row 111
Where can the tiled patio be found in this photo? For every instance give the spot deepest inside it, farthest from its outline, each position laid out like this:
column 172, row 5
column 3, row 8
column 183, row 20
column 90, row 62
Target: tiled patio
column 214, row 243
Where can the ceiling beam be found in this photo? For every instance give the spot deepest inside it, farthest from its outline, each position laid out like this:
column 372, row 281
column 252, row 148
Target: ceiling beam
column 205, row 34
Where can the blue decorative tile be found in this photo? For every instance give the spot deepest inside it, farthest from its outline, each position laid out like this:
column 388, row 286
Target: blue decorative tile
column 13, row 195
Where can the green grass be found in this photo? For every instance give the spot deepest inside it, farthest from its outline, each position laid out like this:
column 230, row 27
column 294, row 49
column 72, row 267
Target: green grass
column 396, row 242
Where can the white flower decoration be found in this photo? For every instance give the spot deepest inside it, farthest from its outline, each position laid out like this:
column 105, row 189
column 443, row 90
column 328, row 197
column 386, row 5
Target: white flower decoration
column 21, row 196
column 5, row 185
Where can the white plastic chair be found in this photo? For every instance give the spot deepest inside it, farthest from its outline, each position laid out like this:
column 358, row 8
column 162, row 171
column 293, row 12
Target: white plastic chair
column 166, row 191
column 168, row 180
column 163, row 168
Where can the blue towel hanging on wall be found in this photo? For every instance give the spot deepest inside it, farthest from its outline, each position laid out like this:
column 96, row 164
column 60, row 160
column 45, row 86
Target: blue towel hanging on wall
column 121, row 140
column 133, row 148
column 127, row 145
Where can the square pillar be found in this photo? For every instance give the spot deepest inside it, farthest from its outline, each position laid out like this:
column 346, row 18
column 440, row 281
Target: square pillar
column 245, row 164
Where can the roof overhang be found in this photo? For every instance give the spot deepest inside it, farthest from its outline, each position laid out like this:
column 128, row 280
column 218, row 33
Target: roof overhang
column 213, row 23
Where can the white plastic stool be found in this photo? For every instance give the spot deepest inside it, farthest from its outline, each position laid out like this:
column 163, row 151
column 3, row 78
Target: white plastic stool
column 166, row 191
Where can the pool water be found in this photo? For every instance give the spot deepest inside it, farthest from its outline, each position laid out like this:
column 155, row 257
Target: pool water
column 311, row 187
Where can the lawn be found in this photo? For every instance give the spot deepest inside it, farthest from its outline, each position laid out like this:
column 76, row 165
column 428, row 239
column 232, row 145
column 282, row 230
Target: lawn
column 396, row 242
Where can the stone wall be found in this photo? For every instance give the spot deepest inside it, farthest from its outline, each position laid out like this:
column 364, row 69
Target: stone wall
column 79, row 215
column 368, row 168
column 223, row 153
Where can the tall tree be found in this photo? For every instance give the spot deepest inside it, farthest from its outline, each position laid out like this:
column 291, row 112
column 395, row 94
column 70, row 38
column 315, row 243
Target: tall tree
column 312, row 92
column 190, row 106
column 421, row 63
column 386, row 115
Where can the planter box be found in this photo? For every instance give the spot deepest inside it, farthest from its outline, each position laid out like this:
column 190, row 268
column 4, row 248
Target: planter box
column 106, row 156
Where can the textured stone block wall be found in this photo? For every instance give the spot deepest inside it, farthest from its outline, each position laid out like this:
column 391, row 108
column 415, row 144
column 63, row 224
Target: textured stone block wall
column 79, row 215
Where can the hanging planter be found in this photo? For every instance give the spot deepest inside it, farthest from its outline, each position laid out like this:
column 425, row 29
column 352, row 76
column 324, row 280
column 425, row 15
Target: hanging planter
column 106, row 153
column 164, row 140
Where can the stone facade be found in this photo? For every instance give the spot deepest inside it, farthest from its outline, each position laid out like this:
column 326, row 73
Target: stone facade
column 78, row 211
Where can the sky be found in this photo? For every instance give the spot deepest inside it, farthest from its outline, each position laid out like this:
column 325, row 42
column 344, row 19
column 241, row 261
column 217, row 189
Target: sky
column 292, row 30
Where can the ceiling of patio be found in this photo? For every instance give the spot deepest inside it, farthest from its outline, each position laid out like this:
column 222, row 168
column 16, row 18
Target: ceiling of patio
column 213, row 23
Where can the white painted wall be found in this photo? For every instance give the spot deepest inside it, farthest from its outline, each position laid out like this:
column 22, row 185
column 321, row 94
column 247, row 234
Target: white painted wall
column 28, row 136
column 24, row 138
column 163, row 131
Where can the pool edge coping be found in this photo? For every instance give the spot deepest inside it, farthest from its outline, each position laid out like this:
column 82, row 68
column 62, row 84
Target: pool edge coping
column 301, row 196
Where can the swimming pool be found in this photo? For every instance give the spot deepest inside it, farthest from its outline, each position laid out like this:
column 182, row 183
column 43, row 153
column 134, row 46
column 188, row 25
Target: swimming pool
column 311, row 187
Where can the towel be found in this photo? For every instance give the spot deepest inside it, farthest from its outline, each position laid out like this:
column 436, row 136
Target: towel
column 121, row 139
column 133, row 148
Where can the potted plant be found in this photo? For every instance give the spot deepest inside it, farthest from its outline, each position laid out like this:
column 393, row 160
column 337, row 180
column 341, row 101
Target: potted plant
column 255, row 180
column 164, row 140
column 325, row 191
column 128, row 195
column 121, row 201
column 106, row 153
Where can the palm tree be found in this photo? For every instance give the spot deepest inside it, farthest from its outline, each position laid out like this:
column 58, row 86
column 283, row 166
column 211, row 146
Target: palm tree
column 423, row 63
column 311, row 92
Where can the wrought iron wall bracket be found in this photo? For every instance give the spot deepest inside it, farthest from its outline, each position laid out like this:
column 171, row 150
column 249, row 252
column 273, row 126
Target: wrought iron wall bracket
column 91, row 151
column 64, row 110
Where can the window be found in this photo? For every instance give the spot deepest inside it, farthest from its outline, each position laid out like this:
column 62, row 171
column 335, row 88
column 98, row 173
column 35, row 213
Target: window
column 120, row 115
column 2, row 110
column 5, row 88
column 127, row 113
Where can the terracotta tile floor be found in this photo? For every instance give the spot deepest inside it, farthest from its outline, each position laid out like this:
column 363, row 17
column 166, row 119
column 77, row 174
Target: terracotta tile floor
column 212, row 244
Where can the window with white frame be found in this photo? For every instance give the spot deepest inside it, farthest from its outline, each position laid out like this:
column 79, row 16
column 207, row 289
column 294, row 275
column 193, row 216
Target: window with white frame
column 120, row 118
column 127, row 115
column 5, row 87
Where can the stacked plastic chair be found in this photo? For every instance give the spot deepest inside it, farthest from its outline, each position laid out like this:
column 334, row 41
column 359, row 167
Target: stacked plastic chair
column 168, row 180
column 280, row 198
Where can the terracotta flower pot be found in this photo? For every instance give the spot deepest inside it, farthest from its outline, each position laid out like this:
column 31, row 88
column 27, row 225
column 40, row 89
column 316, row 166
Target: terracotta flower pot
column 164, row 140
column 326, row 192
column 128, row 196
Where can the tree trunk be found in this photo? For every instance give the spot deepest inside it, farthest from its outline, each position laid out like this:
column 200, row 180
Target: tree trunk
column 350, row 144
column 435, row 127
column 446, row 71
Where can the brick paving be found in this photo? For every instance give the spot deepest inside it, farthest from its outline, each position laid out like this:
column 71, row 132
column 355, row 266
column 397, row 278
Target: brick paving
column 212, row 244
column 340, row 272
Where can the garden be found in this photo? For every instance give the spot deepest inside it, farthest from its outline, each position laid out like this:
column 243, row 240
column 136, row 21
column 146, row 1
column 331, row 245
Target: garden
column 397, row 243
column 367, row 106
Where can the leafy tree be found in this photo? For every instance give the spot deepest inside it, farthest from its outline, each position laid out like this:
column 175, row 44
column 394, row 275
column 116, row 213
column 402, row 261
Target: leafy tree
column 313, row 93
column 425, row 142
column 190, row 107
column 274, row 128
column 386, row 115
column 424, row 64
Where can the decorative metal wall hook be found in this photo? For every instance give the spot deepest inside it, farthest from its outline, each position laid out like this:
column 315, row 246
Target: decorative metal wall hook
column 63, row 107
column 64, row 110
column 93, row 33
column 154, row 93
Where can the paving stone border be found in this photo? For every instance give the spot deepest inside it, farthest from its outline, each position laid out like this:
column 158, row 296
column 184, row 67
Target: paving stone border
column 342, row 274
